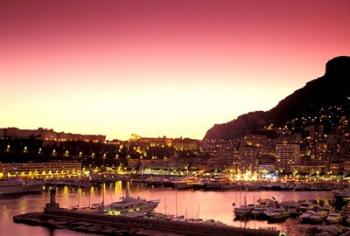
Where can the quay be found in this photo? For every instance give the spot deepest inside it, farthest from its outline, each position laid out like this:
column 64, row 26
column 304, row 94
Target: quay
column 94, row 222
column 111, row 225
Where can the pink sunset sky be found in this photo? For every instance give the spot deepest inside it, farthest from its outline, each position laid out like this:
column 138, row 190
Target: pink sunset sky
column 159, row 67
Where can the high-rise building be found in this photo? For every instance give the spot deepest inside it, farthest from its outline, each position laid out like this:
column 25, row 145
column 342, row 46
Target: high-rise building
column 287, row 154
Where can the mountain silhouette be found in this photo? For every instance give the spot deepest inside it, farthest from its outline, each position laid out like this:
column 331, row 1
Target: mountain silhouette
column 333, row 88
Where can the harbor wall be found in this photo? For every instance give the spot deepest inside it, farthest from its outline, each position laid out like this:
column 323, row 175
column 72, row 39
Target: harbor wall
column 184, row 228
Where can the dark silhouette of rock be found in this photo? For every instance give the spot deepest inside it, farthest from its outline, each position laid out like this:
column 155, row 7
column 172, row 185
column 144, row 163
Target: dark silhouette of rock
column 331, row 89
column 338, row 68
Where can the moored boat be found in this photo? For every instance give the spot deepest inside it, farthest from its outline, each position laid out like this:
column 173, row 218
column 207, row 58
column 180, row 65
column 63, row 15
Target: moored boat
column 334, row 218
column 182, row 184
column 306, row 206
column 277, row 214
column 259, row 211
column 318, row 216
column 13, row 186
column 130, row 206
column 243, row 211
column 306, row 216
column 292, row 207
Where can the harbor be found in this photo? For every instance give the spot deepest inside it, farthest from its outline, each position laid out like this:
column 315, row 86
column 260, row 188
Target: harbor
column 89, row 222
column 130, row 216
column 212, row 182
column 186, row 203
column 291, row 212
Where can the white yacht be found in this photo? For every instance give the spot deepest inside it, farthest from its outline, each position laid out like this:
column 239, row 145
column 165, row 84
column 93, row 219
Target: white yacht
column 129, row 206
column 15, row 186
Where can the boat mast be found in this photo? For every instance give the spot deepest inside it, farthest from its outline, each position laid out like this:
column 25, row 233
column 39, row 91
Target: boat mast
column 103, row 194
column 198, row 211
column 127, row 194
column 176, row 202
column 79, row 193
column 240, row 195
column 165, row 206
column 90, row 197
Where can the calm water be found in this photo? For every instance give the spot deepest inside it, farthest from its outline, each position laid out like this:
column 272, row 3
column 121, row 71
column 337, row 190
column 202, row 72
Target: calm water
column 208, row 204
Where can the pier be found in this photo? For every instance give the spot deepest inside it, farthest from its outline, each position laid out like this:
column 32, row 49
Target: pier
column 64, row 218
column 94, row 222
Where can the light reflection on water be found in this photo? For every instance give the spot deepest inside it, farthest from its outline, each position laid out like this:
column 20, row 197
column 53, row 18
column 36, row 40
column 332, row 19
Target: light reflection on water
column 208, row 204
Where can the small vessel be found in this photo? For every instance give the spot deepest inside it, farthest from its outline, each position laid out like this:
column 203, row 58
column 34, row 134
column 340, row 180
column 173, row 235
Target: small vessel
column 292, row 207
column 264, row 204
column 182, row 184
column 307, row 206
column 334, row 218
column 129, row 206
column 259, row 211
column 244, row 211
column 268, row 201
column 318, row 217
column 306, row 216
column 277, row 214
column 16, row 186
column 217, row 182
column 198, row 184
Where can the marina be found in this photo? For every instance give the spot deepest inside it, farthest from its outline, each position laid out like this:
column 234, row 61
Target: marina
column 217, row 182
column 55, row 217
column 130, row 216
column 187, row 204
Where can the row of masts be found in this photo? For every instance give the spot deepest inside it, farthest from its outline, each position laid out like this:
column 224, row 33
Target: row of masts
column 127, row 196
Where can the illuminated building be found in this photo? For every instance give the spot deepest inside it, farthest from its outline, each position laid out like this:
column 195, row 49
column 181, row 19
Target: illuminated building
column 185, row 144
column 287, row 154
column 41, row 170
column 222, row 160
column 49, row 135
column 179, row 144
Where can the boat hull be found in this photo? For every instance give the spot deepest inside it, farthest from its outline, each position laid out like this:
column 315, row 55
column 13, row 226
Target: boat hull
column 8, row 190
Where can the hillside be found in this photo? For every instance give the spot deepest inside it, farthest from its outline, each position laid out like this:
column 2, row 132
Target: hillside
column 333, row 88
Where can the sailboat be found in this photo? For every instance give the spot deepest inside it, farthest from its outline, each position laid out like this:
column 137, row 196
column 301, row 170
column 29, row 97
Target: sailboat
column 244, row 210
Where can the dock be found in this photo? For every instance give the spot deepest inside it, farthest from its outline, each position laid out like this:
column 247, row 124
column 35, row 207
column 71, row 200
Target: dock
column 94, row 222
column 112, row 225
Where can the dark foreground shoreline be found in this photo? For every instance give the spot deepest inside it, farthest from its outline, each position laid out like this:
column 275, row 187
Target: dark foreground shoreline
column 91, row 222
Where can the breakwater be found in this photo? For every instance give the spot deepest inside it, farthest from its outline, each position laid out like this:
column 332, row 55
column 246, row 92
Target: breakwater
column 72, row 219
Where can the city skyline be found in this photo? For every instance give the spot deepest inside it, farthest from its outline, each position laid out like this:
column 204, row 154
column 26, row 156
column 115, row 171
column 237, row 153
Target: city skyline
column 159, row 68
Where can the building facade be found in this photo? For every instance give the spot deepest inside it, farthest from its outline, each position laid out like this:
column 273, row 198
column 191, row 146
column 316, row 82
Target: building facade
column 41, row 170
column 287, row 154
